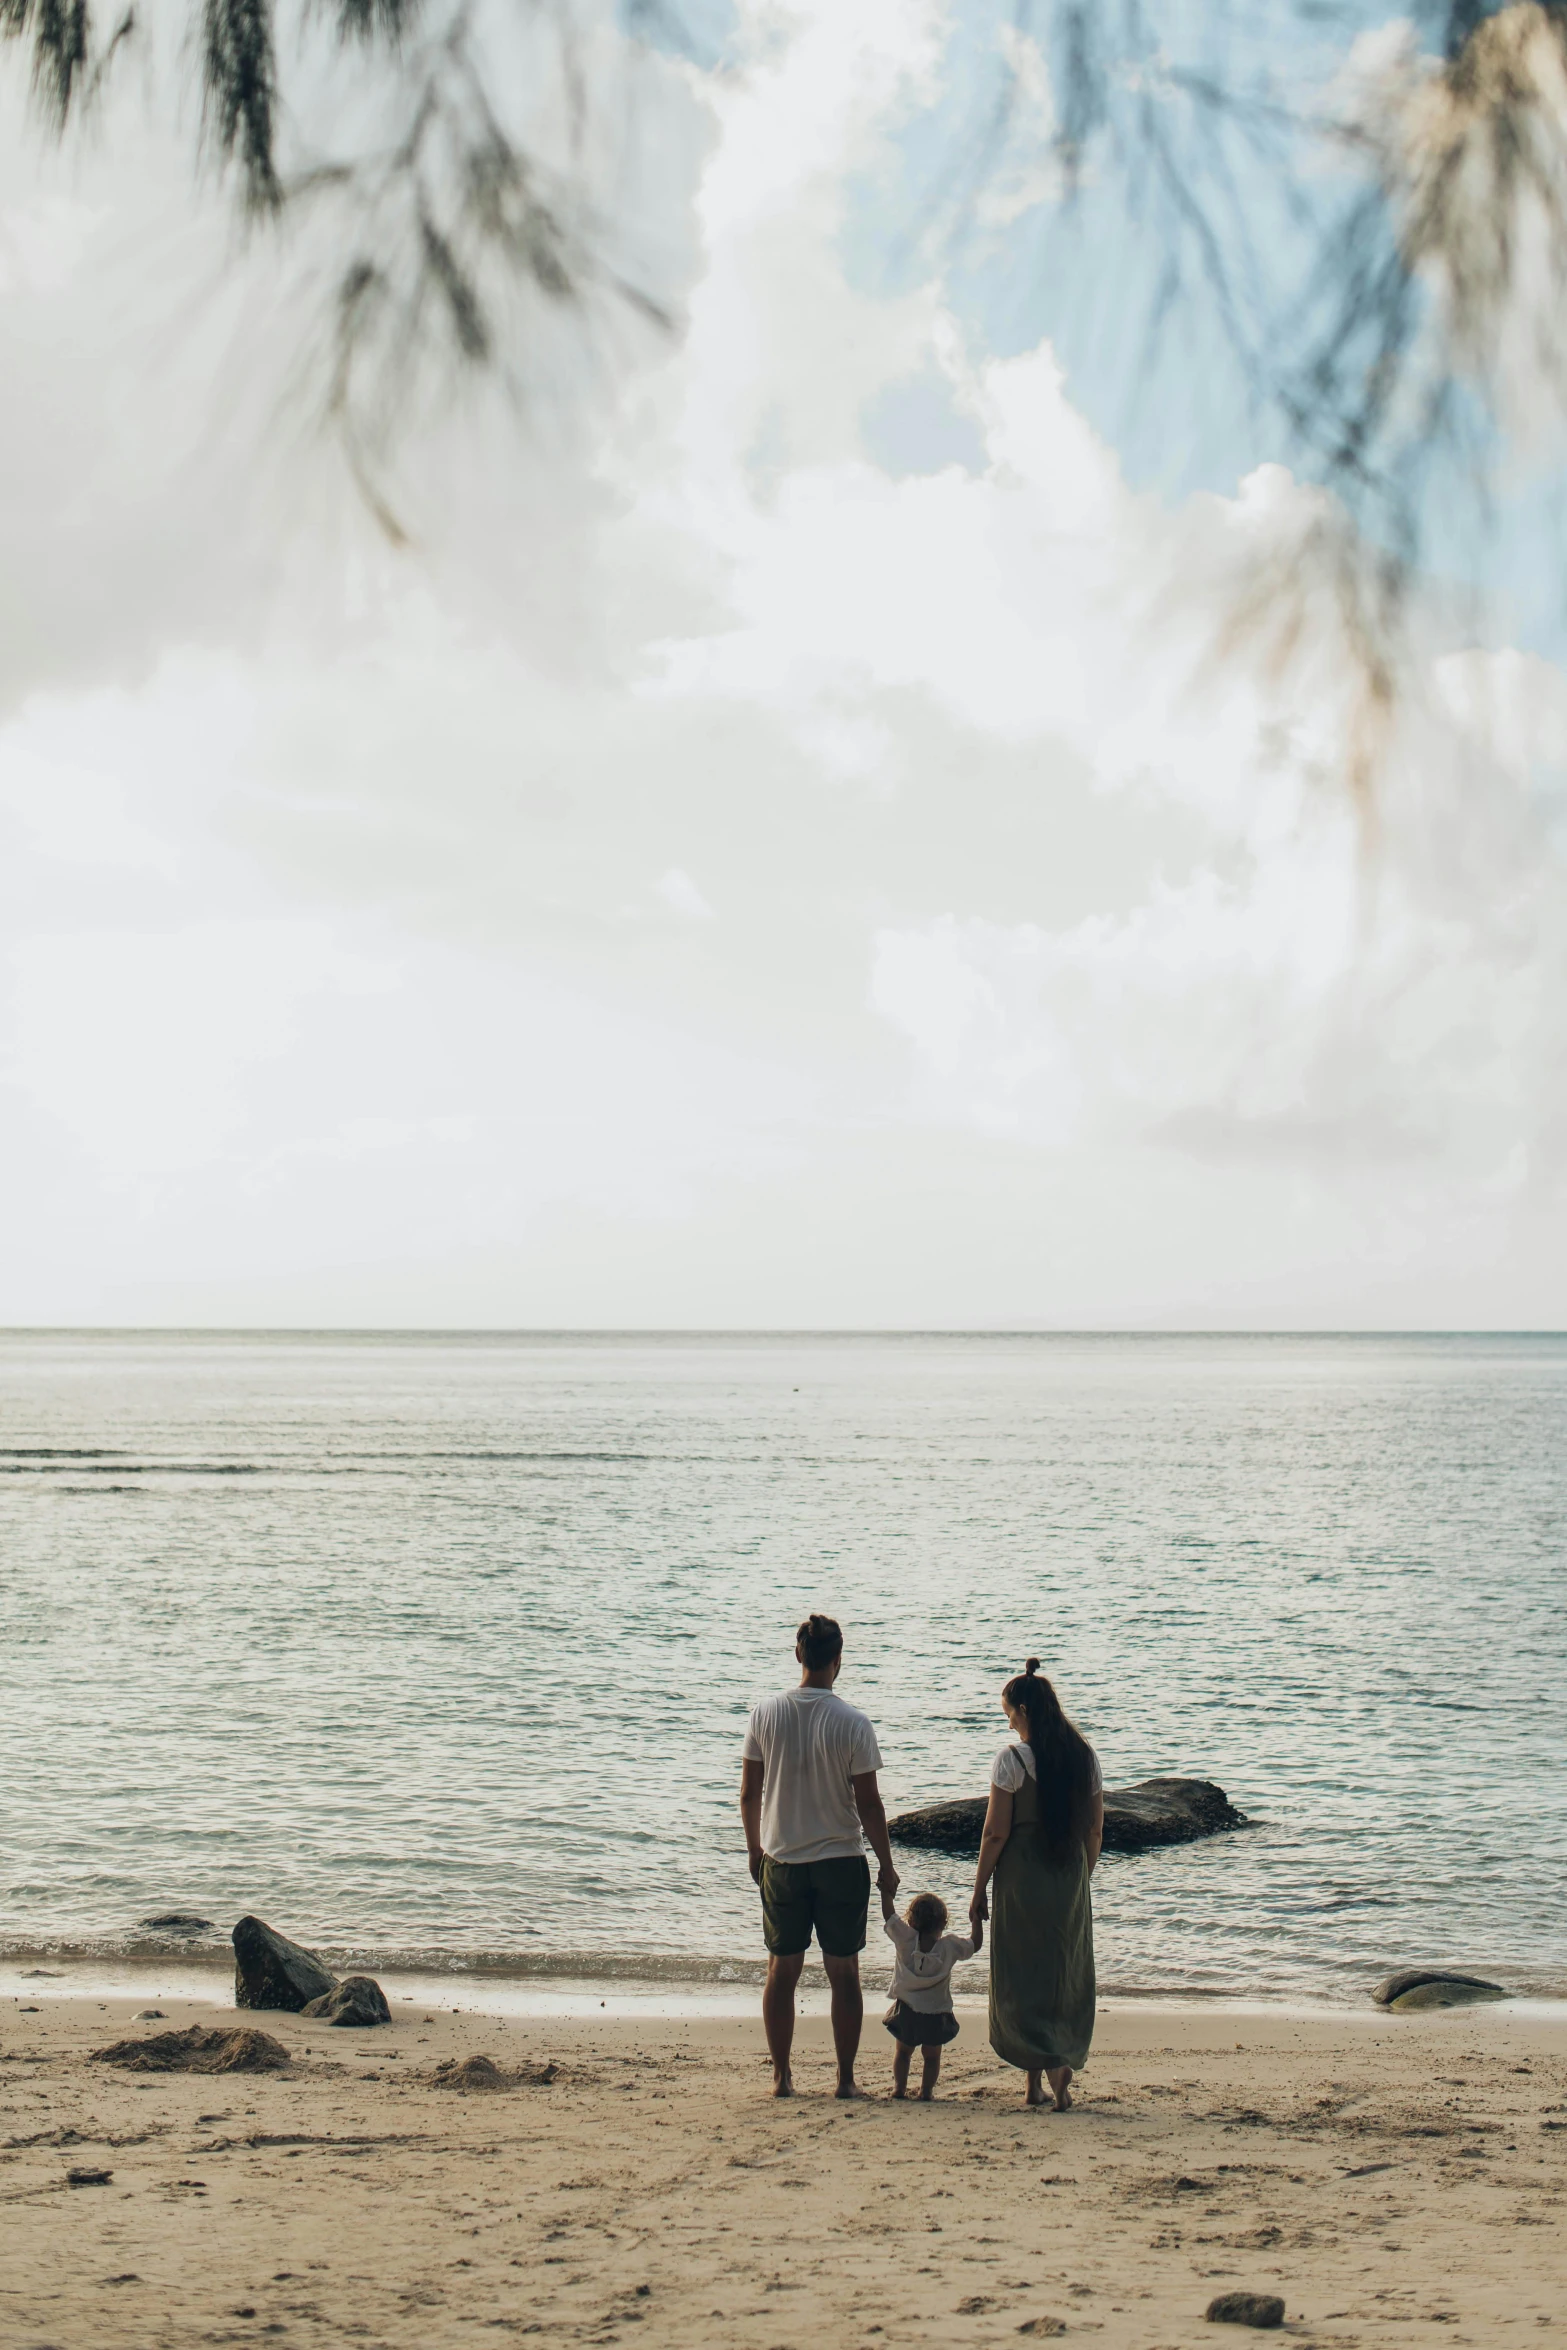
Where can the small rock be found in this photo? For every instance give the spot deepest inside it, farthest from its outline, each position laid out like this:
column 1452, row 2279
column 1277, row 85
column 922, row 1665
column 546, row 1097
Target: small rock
column 357, row 1999
column 1042, row 2325
column 197, row 2051
column 271, row 1971
column 974, row 2305
column 88, row 2178
column 174, row 1921
column 1421, row 1987
column 1245, row 2309
column 149, row 2015
column 33, row 1974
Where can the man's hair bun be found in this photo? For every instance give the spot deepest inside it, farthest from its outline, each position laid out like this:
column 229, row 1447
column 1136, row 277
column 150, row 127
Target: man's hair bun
column 1032, row 1665
column 817, row 1642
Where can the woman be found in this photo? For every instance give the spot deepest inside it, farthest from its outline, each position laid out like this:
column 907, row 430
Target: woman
column 1042, row 1836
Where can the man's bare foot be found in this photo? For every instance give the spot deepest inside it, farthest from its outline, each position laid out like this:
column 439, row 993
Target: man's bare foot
column 783, row 2084
column 849, row 2088
column 900, row 2088
column 927, row 2096
column 1061, row 2087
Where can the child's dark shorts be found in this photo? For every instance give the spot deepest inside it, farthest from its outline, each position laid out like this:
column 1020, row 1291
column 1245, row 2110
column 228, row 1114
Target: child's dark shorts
column 913, row 2029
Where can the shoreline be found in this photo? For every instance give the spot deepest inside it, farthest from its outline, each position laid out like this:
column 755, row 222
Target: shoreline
column 581, row 1986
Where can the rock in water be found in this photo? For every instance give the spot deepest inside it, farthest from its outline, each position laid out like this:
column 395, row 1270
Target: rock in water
column 174, row 1921
column 1246, row 2309
column 357, row 1999
column 1137, row 1819
column 197, row 2051
column 271, row 1971
column 1424, row 1986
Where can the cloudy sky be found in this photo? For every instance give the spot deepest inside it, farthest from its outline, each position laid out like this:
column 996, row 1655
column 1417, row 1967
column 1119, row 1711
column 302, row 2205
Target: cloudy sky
column 769, row 852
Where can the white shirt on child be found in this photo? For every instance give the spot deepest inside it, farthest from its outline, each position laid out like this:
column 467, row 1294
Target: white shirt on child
column 922, row 1979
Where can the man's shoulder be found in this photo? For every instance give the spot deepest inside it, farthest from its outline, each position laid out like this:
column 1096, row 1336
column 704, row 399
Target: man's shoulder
column 769, row 1709
column 848, row 1712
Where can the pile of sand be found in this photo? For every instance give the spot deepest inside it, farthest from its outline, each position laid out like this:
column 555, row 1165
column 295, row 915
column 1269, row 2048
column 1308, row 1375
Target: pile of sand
column 482, row 2072
column 197, row 2051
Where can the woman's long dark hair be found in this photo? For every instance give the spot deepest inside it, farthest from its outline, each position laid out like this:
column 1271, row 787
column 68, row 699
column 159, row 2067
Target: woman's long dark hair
column 1063, row 1759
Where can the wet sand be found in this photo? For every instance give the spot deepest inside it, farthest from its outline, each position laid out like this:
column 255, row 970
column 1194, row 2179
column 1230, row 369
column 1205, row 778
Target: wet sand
column 1397, row 2179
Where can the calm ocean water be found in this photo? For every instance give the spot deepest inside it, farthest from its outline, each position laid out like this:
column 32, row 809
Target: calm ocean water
column 444, row 1647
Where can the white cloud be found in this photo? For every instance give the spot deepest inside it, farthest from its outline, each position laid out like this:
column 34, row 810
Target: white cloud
column 681, row 895
column 1012, row 974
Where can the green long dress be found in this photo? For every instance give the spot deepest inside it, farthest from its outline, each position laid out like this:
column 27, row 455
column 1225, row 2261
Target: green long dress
column 1042, row 1986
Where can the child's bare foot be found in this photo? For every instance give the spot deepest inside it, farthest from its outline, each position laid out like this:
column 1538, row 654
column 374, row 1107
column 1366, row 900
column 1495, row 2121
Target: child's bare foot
column 783, row 2083
column 1060, row 2080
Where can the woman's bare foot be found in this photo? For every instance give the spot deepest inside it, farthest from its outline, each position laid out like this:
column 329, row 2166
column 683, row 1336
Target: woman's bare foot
column 783, row 2084
column 1036, row 2090
column 1060, row 2080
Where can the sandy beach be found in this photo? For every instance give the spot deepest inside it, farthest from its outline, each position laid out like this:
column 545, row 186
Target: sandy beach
column 1387, row 2175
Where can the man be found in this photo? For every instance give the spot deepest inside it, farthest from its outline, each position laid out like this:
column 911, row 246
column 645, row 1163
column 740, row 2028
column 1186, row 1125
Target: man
column 807, row 1800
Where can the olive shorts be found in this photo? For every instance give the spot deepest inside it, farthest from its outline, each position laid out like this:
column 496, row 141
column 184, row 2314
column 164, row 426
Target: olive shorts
column 831, row 1896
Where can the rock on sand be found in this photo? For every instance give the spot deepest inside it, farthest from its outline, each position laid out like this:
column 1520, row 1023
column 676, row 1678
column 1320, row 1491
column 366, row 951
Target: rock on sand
column 271, row 1971
column 1246, row 2309
column 357, row 1999
column 1422, row 1987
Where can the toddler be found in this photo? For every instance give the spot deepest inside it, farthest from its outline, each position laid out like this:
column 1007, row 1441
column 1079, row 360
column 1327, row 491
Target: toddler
column 921, row 2012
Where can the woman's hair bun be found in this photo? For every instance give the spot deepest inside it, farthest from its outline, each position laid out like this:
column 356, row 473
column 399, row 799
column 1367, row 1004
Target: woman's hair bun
column 1032, row 1665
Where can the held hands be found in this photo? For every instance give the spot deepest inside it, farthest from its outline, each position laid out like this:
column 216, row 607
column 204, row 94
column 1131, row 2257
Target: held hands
column 887, row 1885
column 886, row 1898
column 978, row 1911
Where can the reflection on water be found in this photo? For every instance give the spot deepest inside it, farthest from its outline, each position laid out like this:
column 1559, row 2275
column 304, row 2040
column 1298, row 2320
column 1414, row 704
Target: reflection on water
column 443, row 1648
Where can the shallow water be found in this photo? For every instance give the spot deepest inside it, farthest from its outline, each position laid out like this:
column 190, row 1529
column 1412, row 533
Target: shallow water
column 443, row 1648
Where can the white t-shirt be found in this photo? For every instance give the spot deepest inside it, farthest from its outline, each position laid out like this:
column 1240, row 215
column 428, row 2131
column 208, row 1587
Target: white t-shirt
column 810, row 1744
column 1016, row 1761
column 922, row 1979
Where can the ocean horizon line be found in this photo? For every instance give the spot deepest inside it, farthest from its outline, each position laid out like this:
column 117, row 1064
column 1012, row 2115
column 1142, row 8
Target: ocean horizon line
column 724, row 1333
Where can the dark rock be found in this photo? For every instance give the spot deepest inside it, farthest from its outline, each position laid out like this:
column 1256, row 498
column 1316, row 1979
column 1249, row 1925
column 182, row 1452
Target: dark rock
column 197, row 2051
column 174, row 1921
column 88, row 2178
column 271, row 1971
column 357, row 1999
column 1137, row 1819
column 1246, row 2309
column 1424, row 1986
